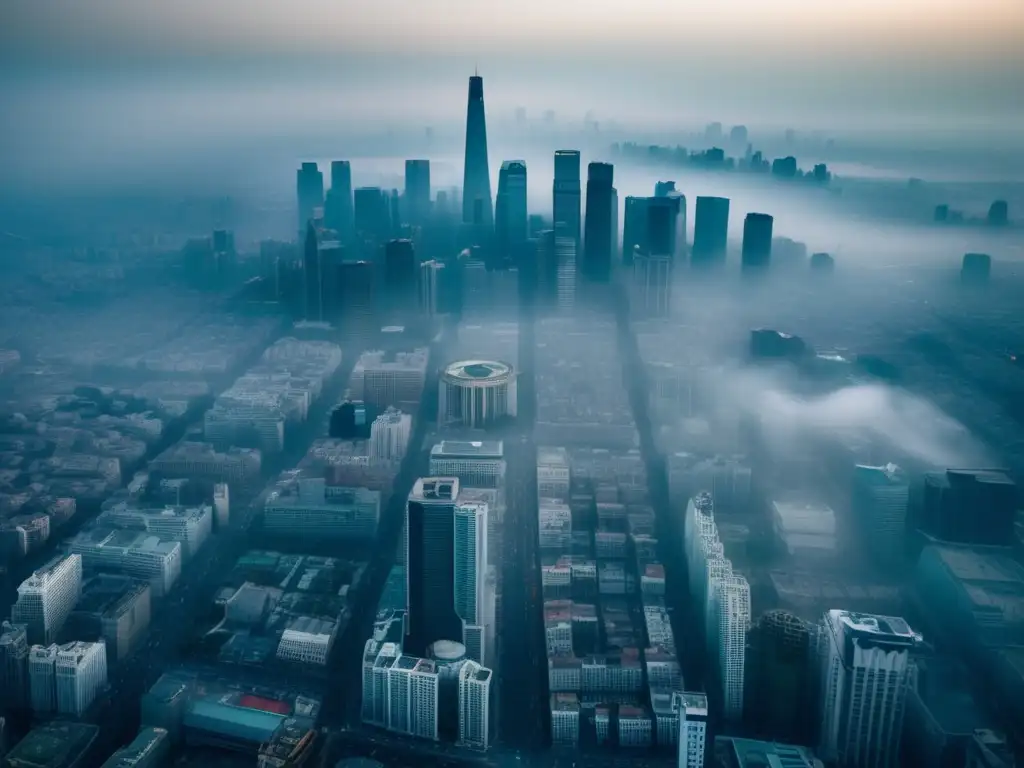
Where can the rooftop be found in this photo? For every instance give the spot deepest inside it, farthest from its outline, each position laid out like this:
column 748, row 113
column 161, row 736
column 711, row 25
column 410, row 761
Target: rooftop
column 477, row 370
column 52, row 745
column 749, row 753
column 492, row 449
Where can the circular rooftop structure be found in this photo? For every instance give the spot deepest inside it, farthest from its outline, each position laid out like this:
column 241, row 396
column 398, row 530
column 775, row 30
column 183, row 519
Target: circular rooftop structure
column 476, row 393
column 446, row 651
column 478, row 371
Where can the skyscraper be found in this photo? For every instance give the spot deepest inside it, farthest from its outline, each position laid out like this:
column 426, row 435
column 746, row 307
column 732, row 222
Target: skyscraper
column 309, row 183
column 662, row 213
column 757, row 241
column 476, row 181
column 338, row 205
column 400, row 272
column 866, row 670
column 13, row 666
column 313, row 275
column 779, row 680
column 651, row 294
column 372, row 216
column 634, row 233
column 510, row 217
column 417, row 192
column 600, row 218
column 430, row 282
column 353, row 289
column 990, row 495
column 710, row 230
column 429, row 545
column 47, row 597
column 881, row 496
column 474, row 705
column 470, row 576
column 566, row 211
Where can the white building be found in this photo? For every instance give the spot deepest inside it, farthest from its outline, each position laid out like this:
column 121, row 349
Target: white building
column 413, row 686
column 134, row 553
column 732, row 605
column 431, row 273
column 307, row 641
column 377, row 660
column 310, row 507
column 389, row 436
column 477, row 464
column 474, row 705
column 42, row 678
column 553, row 473
column 47, row 597
column 381, row 380
column 692, row 709
column 555, row 523
column 565, row 719
column 866, row 670
column 191, row 526
column 81, row 674
column 470, row 572
column 806, row 531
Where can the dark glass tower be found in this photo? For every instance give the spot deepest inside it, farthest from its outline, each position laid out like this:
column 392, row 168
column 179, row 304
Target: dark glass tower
column 510, row 217
column 338, row 206
column 567, row 194
column 600, row 218
column 710, row 230
column 400, row 274
column 417, row 191
column 309, row 183
column 476, row 180
column 757, row 241
column 313, row 274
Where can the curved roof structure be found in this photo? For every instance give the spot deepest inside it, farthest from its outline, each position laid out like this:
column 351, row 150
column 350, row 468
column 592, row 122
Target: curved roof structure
column 478, row 370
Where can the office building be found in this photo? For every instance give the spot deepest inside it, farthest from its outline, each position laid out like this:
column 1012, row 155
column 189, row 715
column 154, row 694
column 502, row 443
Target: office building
column 651, row 286
column 710, row 231
column 880, row 500
column 307, row 640
column 338, row 213
column 353, row 303
column 80, row 676
column 352, row 420
column 114, row 608
column 310, row 507
column 191, row 526
column 309, row 184
column 313, row 275
column 417, row 192
column 477, row 464
column 566, row 193
column 692, row 711
column 661, row 226
column 553, row 470
column 635, row 232
column 431, row 281
column 56, row 744
column 139, row 554
column 149, row 749
column 969, row 506
column 866, row 670
column 401, row 270
column 42, row 674
column 47, row 597
column 372, row 217
column 565, row 719
column 601, row 216
column 476, row 180
column 778, row 676
column 470, row 583
column 510, row 216
column 731, row 752
column 476, row 393
column 383, row 380
column 14, row 678
column 757, row 241
column 389, row 436
column 429, row 548
column 474, row 705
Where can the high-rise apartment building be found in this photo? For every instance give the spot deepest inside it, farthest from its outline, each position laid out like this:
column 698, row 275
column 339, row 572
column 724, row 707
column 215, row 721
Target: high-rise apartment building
column 692, row 711
column 566, row 210
column 732, row 609
column 601, row 215
column 309, row 183
column 881, row 496
column 413, row 692
column 417, row 192
column 389, row 436
column 866, row 670
column 429, row 546
column 338, row 213
column 476, row 182
column 47, row 597
column 13, row 666
column 510, row 216
column 42, row 673
column 474, row 705
column 757, row 242
column 710, row 231
column 470, row 583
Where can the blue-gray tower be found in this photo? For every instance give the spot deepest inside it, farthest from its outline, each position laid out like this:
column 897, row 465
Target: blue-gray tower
column 476, row 181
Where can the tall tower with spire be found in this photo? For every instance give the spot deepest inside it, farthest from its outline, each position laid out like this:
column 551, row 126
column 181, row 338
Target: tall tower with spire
column 476, row 182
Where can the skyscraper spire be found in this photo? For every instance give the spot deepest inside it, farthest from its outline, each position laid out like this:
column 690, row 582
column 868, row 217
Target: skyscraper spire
column 476, row 182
